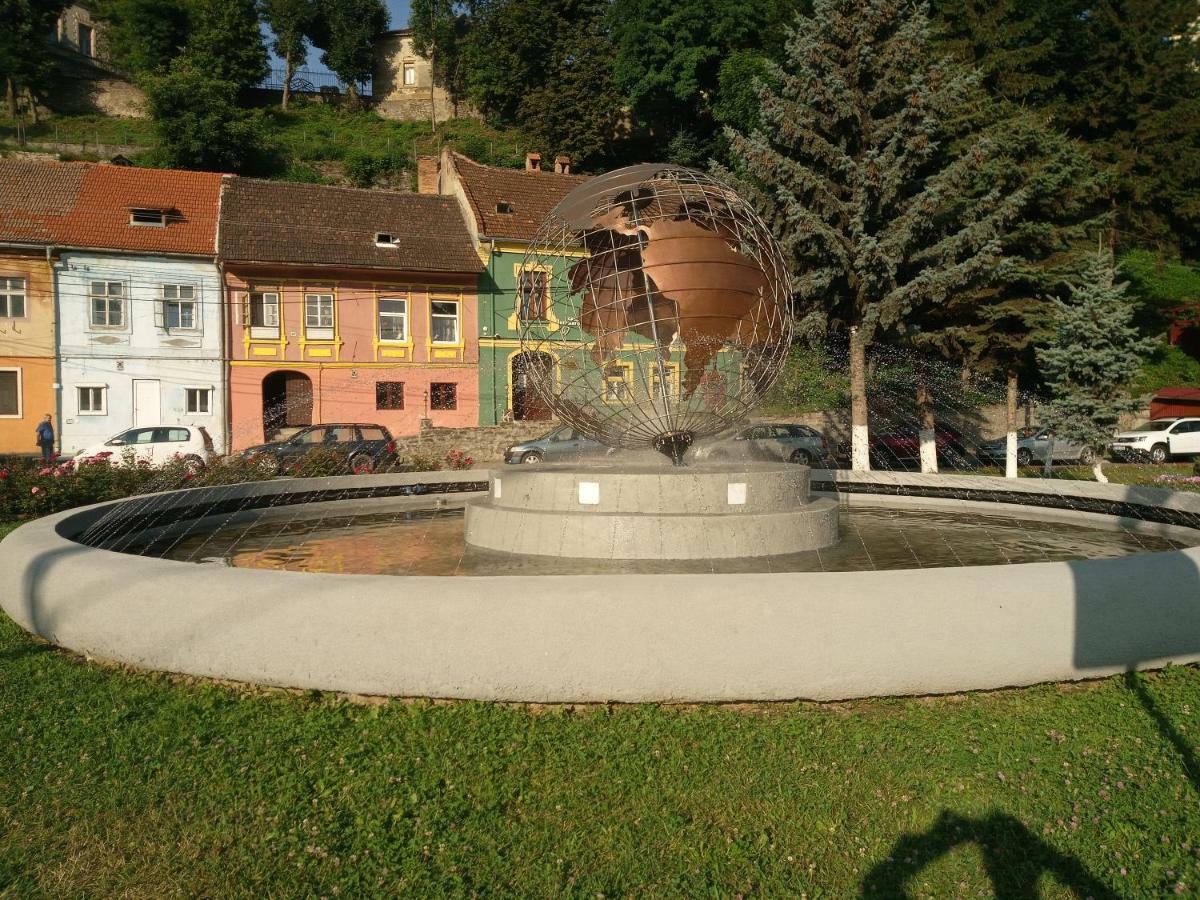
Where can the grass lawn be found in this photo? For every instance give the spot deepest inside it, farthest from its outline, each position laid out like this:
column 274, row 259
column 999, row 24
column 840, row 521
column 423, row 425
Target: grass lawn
column 1146, row 474
column 142, row 785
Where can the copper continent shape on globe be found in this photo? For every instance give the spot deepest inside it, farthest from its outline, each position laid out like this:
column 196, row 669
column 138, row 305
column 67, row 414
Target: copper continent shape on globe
column 670, row 317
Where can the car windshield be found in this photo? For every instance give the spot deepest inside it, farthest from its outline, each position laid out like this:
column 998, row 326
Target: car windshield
column 1155, row 425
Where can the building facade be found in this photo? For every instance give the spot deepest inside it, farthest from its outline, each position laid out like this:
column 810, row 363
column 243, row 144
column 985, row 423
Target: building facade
column 403, row 86
column 88, row 82
column 138, row 292
column 346, row 305
column 504, row 208
column 34, row 199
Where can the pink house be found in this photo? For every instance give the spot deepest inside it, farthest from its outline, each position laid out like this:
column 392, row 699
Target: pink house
column 347, row 306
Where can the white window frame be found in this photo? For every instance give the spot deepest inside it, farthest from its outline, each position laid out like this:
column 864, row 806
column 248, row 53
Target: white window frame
column 20, row 413
column 405, row 68
column 11, row 286
column 123, row 296
column 263, row 331
column 179, row 301
column 204, row 390
column 102, row 388
column 151, row 217
column 319, row 331
column 380, row 315
column 457, row 342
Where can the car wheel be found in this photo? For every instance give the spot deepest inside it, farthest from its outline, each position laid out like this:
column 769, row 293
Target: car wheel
column 193, row 464
column 1159, row 453
column 1024, row 457
column 802, row 457
column 532, row 458
column 362, row 464
column 1087, row 456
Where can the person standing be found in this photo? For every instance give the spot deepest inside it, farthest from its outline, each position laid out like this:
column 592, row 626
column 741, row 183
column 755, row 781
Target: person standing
column 45, row 438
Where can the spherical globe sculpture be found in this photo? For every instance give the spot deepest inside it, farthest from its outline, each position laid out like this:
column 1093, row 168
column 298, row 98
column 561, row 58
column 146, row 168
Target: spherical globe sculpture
column 669, row 319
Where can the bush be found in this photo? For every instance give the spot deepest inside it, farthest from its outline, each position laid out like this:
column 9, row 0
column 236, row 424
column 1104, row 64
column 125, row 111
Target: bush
column 458, row 460
column 364, row 168
column 416, row 461
column 320, row 462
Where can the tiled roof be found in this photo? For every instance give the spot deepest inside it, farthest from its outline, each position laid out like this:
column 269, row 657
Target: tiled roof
column 88, row 205
column 273, row 221
column 35, row 198
column 529, row 195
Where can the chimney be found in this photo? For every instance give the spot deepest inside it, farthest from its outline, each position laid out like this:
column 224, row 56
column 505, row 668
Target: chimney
column 562, row 165
column 427, row 174
column 533, row 162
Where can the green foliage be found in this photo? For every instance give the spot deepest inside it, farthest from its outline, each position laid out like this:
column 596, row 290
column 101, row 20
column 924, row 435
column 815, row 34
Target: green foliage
column 320, row 462
column 199, row 122
column 810, row 381
column 739, row 79
column 1166, row 366
column 226, row 42
column 25, row 60
column 1094, row 354
column 290, row 22
column 1134, row 96
column 345, row 30
column 440, row 33
column 364, row 168
column 143, row 36
column 1159, row 280
column 865, row 168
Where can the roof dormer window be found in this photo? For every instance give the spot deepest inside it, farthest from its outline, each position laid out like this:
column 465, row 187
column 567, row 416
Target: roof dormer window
column 148, row 215
column 504, row 206
column 385, row 239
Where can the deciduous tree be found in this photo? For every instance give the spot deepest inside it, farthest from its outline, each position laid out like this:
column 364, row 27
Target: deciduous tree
column 346, row 32
column 226, row 42
column 290, row 22
column 25, row 60
column 143, row 36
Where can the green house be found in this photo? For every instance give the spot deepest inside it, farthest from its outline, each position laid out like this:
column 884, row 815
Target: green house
column 503, row 209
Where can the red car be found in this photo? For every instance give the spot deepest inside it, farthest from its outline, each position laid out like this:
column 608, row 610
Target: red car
column 900, row 448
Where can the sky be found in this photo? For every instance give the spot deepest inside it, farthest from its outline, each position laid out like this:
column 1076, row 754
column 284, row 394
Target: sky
column 397, row 10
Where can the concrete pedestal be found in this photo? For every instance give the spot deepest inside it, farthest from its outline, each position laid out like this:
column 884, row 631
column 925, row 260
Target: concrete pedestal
column 648, row 512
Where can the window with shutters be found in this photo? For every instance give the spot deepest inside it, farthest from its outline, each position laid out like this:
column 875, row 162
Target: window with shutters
column 263, row 314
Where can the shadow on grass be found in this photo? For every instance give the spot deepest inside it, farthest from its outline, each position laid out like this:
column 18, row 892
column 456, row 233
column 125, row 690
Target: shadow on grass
column 25, row 648
column 1187, row 753
column 1014, row 858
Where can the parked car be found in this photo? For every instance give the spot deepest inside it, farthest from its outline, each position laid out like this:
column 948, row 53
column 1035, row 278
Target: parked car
column 155, row 445
column 900, row 447
column 766, row 441
column 365, row 447
column 1033, row 443
column 563, row 444
column 1158, row 440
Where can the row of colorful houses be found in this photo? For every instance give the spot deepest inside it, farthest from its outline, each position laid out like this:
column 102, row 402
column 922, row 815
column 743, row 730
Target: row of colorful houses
column 133, row 296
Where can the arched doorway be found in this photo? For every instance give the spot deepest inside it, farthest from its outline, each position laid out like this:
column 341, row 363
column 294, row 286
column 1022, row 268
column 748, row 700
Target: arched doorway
column 287, row 399
column 527, row 404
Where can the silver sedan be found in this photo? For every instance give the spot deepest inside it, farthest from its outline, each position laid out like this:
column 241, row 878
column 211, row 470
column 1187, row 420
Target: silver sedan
column 787, row 442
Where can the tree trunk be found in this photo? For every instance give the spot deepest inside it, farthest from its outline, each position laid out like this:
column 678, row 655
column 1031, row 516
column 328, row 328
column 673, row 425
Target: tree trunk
column 288, row 71
column 1098, row 470
column 33, row 106
column 10, row 96
column 928, row 433
column 860, row 451
column 1010, row 449
column 352, row 95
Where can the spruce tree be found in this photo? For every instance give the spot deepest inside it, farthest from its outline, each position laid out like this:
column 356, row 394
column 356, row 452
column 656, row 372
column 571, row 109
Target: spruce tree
column 864, row 167
column 1095, row 352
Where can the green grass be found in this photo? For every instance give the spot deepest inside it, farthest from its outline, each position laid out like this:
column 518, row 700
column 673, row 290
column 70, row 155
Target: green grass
column 141, row 785
column 1145, row 474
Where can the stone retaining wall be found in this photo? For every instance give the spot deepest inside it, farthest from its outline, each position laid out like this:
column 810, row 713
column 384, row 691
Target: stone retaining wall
column 485, row 443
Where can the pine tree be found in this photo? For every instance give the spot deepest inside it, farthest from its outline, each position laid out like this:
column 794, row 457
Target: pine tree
column 1095, row 352
column 1135, row 98
column 226, row 42
column 863, row 171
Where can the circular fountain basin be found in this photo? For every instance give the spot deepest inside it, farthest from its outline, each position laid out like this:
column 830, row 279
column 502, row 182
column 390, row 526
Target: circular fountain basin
column 612, row 632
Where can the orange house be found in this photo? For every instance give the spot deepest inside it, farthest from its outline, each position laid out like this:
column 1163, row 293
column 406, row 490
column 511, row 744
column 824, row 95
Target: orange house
column 34, row 199
column 346, row 306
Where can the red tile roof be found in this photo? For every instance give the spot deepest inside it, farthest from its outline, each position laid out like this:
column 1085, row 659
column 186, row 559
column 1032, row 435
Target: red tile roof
column 530, row 195
column 88, row 205
column 275, row 221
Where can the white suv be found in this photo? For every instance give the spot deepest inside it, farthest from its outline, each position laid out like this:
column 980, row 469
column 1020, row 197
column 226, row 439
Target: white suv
column 1158, row 440
column 156, row 446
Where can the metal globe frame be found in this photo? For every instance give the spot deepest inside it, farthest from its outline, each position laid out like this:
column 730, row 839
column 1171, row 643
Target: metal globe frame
column 671, row 318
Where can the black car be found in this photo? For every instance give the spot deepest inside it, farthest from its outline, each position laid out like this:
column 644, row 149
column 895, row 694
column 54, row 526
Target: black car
column 365, row 447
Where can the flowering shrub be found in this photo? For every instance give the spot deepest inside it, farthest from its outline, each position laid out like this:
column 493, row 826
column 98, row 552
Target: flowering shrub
column 1179, row 479
column 415, row 461
column 319, row 462
column 458, row 459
